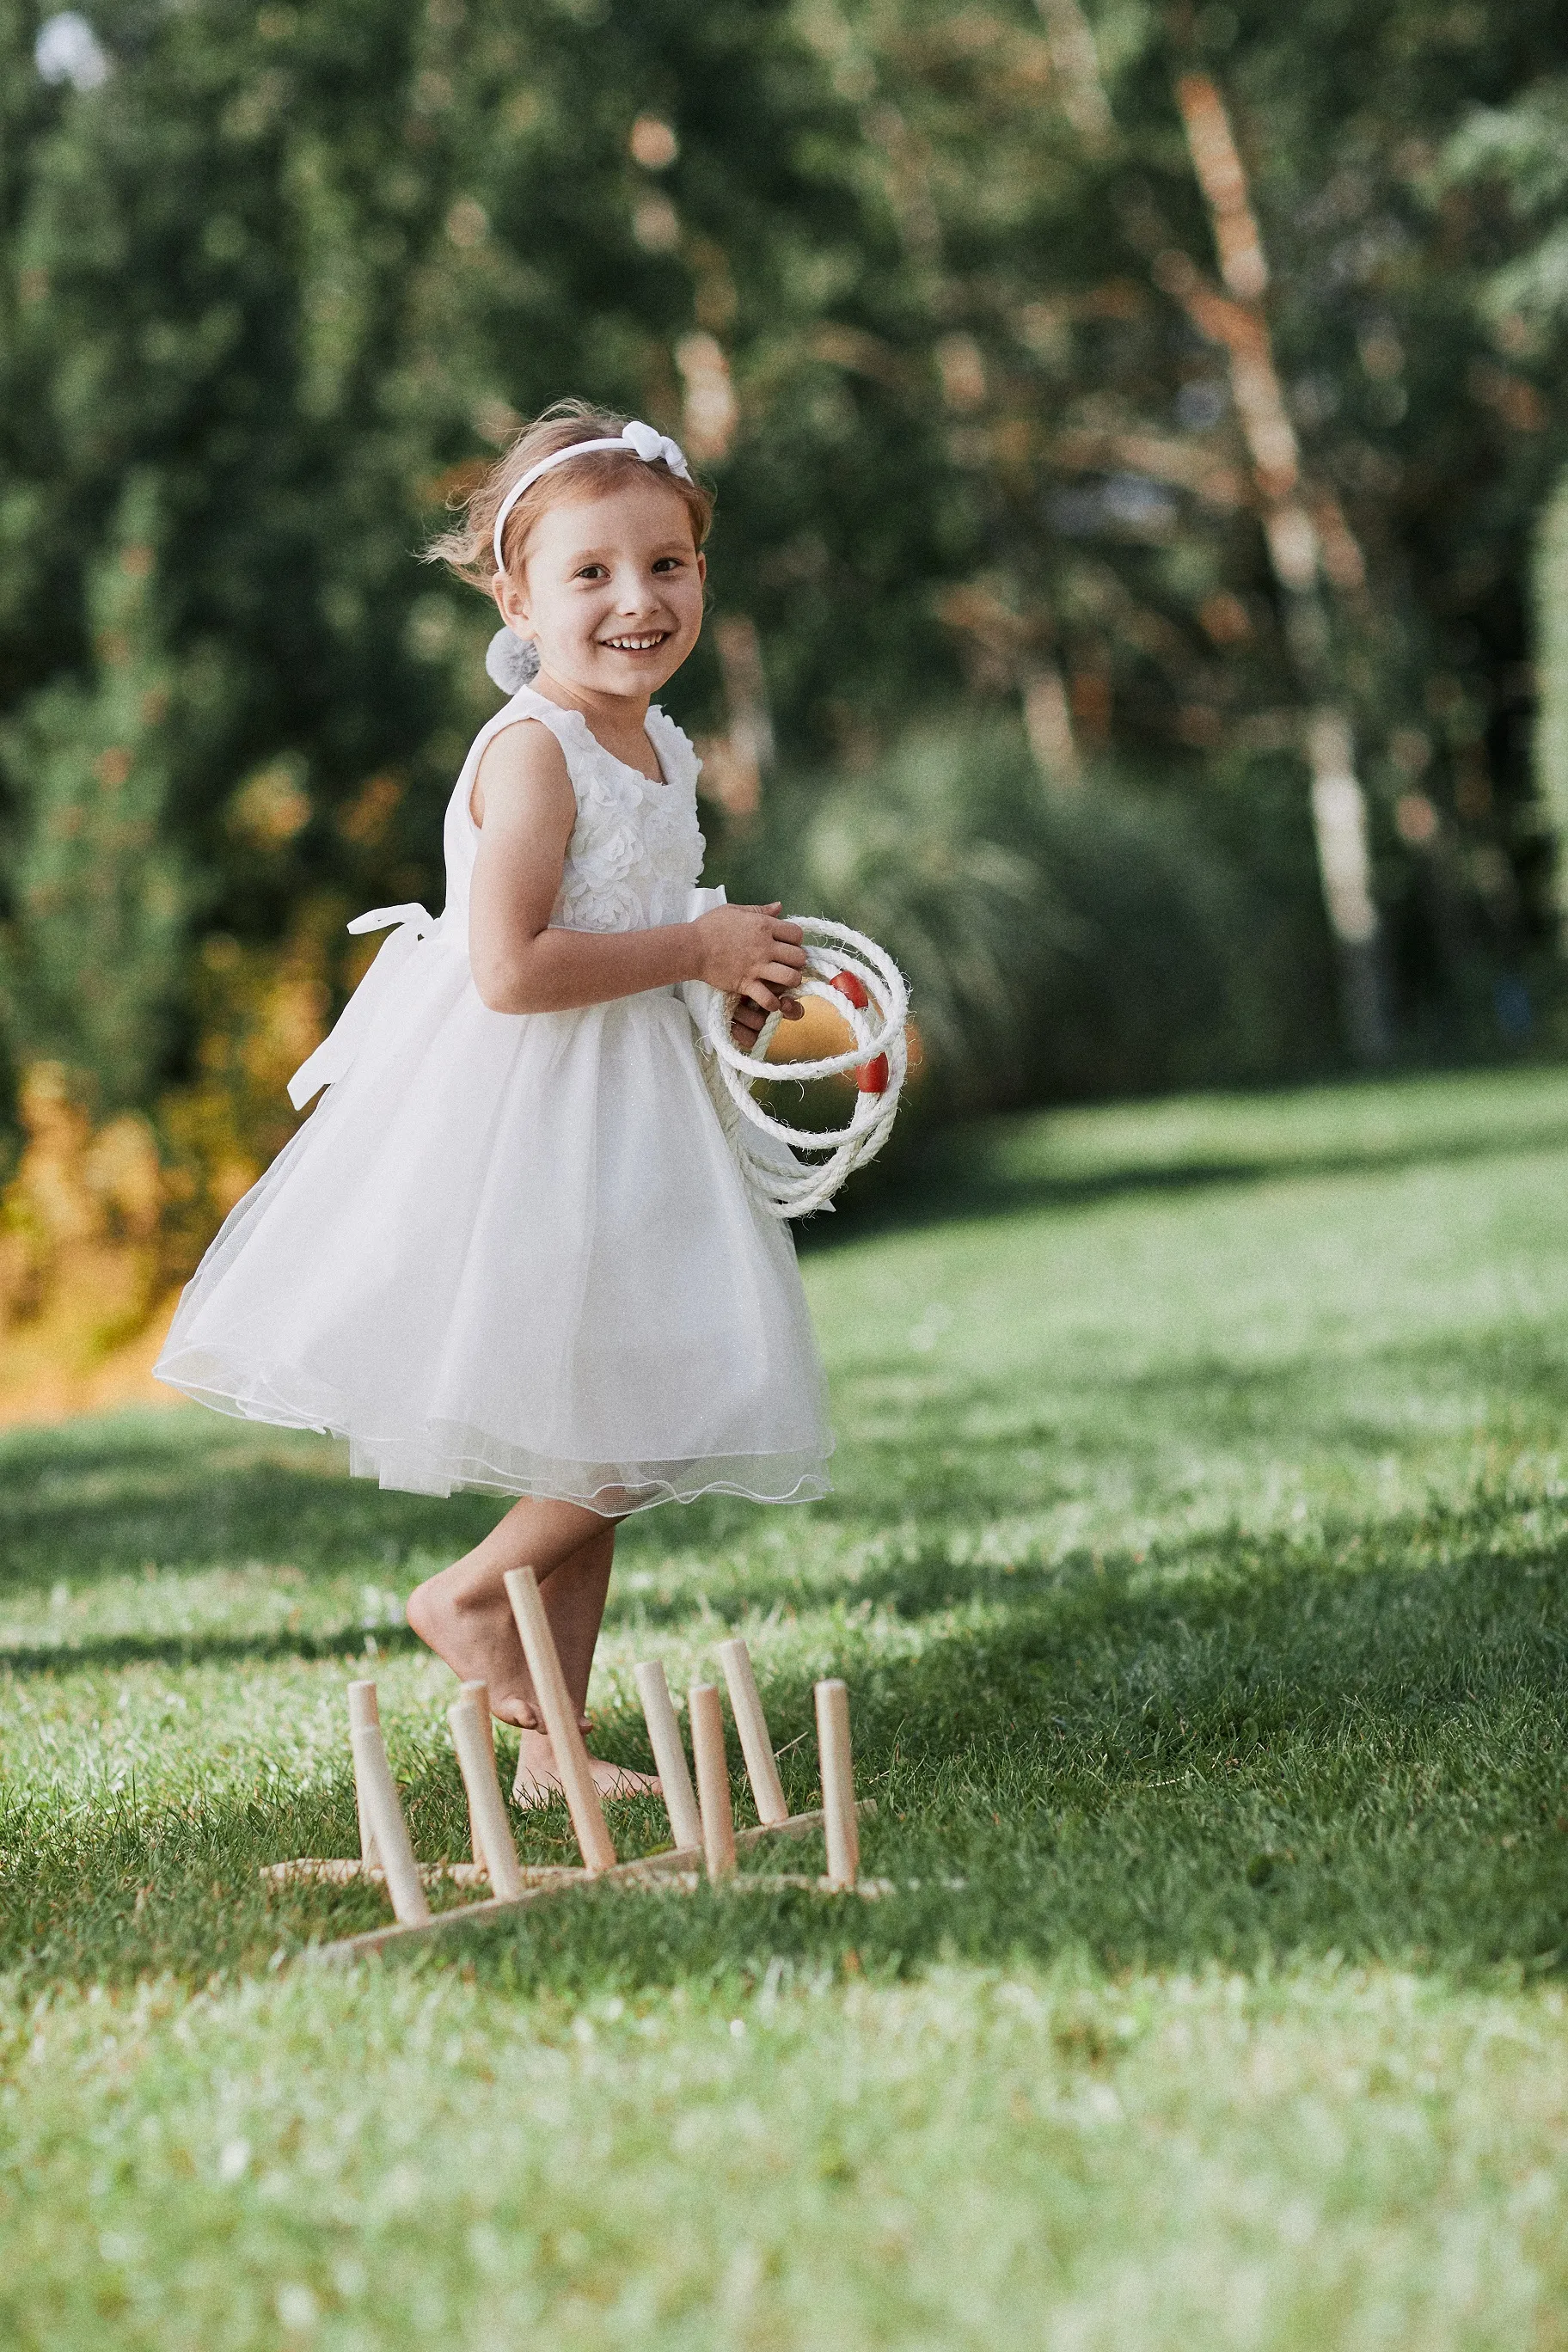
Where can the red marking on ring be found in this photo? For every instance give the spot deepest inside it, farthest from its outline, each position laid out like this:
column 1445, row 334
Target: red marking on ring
column 848, row 985
column 871, row 1077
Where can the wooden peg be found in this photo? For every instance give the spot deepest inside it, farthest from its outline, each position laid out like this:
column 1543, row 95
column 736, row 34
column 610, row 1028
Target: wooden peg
column 560, row 1719
column 668, row 1753
column 378, row 1795
column 480, row 1695
column 364, row 1707
column 486, row 1807
column 756, row 1747
column 840, row 1820
column 713, row 1779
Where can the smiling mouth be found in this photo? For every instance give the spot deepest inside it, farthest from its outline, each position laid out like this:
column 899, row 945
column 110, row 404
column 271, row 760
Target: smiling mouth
column 646, row 643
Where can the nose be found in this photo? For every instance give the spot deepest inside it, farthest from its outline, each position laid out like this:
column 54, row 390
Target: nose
column 635, row 593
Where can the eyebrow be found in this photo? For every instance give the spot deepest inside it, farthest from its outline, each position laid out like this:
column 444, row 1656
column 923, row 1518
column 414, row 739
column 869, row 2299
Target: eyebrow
column 598, row 554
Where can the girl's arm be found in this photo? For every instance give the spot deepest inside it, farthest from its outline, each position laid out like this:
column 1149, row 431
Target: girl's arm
column 526, row 808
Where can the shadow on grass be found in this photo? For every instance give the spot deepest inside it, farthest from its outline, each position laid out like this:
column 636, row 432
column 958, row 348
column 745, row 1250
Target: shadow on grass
column 85, row 1503
column 1239, row 1751
column 85, row 1511
column 90, row 1506
column 344, row 1642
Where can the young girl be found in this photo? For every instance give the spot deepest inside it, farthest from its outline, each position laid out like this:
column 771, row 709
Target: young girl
column 513, row 1249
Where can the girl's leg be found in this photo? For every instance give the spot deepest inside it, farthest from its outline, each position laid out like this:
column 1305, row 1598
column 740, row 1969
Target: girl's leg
column 573, row 1596
column 463, row 1615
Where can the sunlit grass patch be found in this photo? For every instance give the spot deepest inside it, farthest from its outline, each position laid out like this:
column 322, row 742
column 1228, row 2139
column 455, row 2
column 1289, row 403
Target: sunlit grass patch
column 1198, row 1567
column 783, row 2155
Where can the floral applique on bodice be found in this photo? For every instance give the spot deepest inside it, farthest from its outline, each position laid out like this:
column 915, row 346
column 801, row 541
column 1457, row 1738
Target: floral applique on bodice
column 637, row 849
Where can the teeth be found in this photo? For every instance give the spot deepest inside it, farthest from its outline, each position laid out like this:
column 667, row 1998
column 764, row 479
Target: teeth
column 636, row 645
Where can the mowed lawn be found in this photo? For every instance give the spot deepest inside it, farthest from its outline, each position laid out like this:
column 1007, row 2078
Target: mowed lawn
column 1199, row 1569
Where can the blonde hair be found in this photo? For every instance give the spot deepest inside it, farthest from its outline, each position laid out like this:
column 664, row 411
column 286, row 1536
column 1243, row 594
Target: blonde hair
column 467, row 548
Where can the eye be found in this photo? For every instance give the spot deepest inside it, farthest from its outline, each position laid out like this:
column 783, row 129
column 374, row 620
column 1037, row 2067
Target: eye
column 669, row 563
column 590, row 572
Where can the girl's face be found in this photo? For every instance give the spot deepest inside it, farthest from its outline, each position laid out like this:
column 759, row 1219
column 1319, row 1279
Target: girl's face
column 611, row 590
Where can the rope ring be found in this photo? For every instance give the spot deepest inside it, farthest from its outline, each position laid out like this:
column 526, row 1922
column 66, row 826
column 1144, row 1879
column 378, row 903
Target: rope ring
column 875, row 1006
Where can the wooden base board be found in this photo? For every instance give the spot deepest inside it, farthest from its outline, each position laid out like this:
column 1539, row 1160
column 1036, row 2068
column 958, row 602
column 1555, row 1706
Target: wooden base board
column 679, row 1863
column 348, row 1870
column 768, row 1882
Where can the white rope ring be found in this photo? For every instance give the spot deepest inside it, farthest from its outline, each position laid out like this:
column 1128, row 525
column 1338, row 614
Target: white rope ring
column 865, row 988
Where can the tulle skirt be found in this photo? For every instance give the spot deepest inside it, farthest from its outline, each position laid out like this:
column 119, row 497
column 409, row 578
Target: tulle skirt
column 515, row 1253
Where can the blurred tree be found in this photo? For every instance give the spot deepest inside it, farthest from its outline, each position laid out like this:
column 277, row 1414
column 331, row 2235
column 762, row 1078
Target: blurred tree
column 1511, row 163
column 100, row 911
column 1114, row 410
column 303, row 269
column 933, row 290
column 1552, row 674
column 1437, row 439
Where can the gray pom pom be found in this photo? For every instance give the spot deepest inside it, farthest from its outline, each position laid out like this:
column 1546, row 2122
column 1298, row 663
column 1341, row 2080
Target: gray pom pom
column 512, row 661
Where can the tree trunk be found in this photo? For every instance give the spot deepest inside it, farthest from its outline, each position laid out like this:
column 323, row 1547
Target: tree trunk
column 1236, row 320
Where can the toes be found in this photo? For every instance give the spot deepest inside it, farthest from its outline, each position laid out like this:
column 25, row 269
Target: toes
column 618, row 1782
column 515, row 1711
column 535, row 1796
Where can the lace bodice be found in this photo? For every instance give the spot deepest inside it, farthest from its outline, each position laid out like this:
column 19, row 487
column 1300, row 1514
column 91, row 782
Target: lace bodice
column 635, row 850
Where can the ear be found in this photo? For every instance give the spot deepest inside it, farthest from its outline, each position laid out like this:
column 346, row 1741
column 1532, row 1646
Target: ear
column 511, row 602
column 703, row 567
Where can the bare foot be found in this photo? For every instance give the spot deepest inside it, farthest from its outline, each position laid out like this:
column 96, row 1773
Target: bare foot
column 477, row 1637
column 539, row 1781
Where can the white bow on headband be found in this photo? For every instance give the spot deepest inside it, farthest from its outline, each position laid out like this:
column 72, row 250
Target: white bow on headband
column 636, row 440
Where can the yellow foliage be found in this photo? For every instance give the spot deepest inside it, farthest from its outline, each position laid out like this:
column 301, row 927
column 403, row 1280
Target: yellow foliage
column 269, row 809
column 101, row 1225
column 262, row 1010
column 82, row 1276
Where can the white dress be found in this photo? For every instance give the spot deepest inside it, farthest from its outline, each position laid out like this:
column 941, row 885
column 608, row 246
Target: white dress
column 514, row 1251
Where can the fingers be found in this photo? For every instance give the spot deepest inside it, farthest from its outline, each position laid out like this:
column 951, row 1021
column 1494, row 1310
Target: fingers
column 770, row 955
column 790, row 931
column 750, row 1020
column 757, row 1000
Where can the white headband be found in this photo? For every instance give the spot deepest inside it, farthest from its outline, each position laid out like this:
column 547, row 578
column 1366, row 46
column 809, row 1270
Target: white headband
column 637, row 440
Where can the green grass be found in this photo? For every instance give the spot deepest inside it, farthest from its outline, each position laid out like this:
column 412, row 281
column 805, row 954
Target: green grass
column 1198, row 1567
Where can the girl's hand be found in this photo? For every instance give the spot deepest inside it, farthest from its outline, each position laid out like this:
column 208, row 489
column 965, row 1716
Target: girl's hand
column 750, row 952
column 747, row 1021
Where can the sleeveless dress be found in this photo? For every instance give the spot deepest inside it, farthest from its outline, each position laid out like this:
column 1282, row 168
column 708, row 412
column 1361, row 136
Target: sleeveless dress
column 515, row 1252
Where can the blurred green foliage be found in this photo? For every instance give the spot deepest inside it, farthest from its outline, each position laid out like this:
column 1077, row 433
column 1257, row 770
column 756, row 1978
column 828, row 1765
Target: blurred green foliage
column 281, row 279
column 1058, row 944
